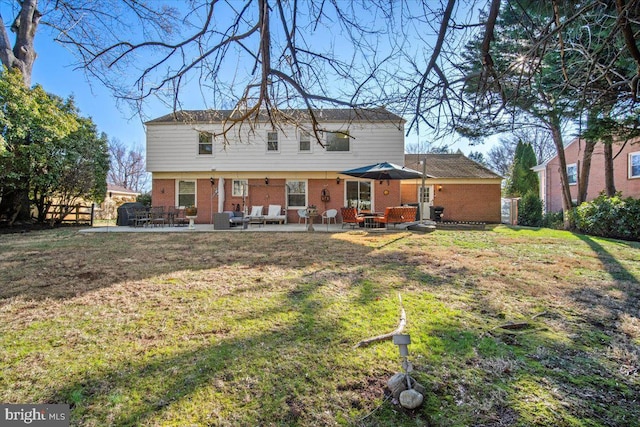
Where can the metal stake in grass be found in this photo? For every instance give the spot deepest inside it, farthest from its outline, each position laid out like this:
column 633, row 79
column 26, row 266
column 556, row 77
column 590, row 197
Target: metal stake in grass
column 402, row 341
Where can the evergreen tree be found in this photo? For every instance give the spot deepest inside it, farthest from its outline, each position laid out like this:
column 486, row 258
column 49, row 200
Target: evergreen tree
column 522, row 179
column 530, row 210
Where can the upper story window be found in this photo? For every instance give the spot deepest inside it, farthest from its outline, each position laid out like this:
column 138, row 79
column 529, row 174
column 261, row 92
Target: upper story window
column 205, row 143
column 572, row 174
column 272, row 141
column 296, row 194
column 240, row 188
column 634, row 165
column 337, row 141
column 186, row 193
column 305, row 141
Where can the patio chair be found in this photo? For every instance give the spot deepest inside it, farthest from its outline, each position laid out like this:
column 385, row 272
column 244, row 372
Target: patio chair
column 350, row 216
column 179, row 216
column 256, row 217
column 156, row 216
column 131, row 216
column 330, row 214
column 302, row 214
column 275, row 214
column 142, row 217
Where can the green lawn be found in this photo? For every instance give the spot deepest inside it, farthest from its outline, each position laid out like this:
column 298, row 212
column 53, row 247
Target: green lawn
column 249, row 329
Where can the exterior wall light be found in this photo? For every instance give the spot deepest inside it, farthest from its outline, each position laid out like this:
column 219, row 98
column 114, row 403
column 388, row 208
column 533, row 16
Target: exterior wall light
column 266, row 180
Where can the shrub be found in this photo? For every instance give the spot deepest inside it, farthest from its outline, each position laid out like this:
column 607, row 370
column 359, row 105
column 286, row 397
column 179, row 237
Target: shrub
column 530, row 210
column 145, row 199
column 609, row 217
column 553, row 220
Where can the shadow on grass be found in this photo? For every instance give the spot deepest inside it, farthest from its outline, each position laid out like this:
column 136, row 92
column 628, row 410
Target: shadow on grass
column 268, row 377
column 57, row 269
column 290, row 372
column 609, row 262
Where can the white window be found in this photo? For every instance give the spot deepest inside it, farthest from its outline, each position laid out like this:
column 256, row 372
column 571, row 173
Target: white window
column 572, row 174
column 337, row 141
column 272, row 141
column 240, row 188
column 186, row 193
column 634, row 165
column 305, row 141
column 205, row 143
column 296, row 194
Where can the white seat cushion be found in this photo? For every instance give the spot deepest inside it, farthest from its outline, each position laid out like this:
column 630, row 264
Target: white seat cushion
column 256, row 211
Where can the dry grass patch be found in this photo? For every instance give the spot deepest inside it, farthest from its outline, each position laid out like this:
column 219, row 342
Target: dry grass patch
column 259, row 328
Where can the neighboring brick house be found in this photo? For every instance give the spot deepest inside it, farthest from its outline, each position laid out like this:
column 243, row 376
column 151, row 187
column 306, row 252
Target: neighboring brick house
column 626, row 165
column 266, row 166
column 465, row 189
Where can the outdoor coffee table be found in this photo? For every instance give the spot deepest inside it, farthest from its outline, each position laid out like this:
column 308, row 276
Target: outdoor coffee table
column 259, row 220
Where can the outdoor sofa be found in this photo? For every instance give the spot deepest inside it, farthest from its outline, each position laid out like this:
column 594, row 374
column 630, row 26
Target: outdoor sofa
column 397, row 215
column 236, row 218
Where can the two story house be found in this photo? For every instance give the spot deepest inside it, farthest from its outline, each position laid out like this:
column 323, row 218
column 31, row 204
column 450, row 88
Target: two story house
column 626, row 166
column 262, row 165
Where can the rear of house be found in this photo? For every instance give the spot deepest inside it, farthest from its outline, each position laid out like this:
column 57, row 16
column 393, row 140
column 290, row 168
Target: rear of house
column 260, row 165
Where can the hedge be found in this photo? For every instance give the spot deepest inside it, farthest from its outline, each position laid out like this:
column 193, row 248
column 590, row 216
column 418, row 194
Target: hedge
column 609, row 217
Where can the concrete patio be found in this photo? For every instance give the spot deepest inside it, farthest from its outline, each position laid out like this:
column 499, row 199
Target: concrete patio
column 268, row 228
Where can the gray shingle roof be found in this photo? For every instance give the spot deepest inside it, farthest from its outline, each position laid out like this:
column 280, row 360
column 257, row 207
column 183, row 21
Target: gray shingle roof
column 449, row 166
column 322, row 115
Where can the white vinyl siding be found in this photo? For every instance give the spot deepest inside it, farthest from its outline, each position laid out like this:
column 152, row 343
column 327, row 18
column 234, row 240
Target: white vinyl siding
column 171, row 148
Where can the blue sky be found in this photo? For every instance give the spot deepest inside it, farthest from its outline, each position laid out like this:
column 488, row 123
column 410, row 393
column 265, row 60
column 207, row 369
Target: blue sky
column 54, row 70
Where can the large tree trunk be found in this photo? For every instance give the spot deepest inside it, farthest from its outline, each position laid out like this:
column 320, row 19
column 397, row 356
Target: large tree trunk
column 566, row 190
column 22, row 57
column 610, row 187
column 23, row 54
column 585, row 169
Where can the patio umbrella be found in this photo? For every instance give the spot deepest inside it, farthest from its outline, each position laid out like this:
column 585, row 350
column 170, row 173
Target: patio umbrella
column 383, row 171
column 220, row 194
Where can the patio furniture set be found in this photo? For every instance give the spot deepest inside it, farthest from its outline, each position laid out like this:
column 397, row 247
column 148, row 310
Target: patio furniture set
column 157, row 216
column 391, row 216
column 228, row 219
column 177, row 216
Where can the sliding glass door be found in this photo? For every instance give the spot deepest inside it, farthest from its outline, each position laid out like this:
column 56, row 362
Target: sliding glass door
column 359, row 195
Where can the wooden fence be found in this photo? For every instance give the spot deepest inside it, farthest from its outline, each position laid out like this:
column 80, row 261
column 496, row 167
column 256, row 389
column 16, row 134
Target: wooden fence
column 78, row 214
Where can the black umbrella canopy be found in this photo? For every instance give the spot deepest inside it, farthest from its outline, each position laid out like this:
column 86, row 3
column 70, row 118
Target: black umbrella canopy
column 383, row 171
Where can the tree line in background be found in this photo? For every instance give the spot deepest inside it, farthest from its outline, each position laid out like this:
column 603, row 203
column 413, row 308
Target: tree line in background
column 52, row 158
column 471, row 67
column 49, row 154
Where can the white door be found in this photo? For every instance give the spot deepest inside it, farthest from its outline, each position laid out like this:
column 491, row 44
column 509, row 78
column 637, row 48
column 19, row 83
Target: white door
column 426, row 200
